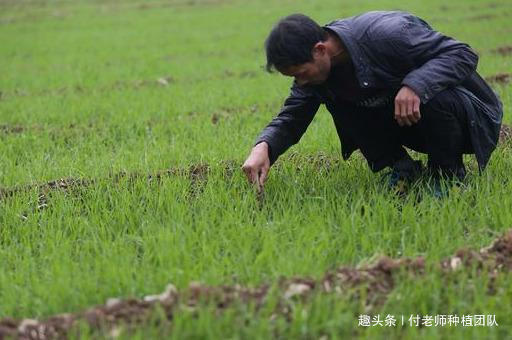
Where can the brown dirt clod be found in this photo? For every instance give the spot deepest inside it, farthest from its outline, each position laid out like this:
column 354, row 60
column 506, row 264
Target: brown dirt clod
column 499, row 78
column 9, row 129
column 505, row 134
column 196, row 173
column 482, row 17
column 503, row 50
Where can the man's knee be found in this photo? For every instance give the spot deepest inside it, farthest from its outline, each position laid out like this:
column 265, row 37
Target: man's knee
column 445, row 102
column 445, row 122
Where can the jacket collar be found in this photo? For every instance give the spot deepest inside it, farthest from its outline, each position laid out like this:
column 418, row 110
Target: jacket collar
column 359, row 59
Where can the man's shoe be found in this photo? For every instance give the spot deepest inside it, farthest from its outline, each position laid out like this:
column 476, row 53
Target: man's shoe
column 436, row 188
column 403, row 174
column 442, row 181
column 441, row 186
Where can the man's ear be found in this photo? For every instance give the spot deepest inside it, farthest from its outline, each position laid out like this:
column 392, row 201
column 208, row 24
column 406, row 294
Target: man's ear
column 320, row 48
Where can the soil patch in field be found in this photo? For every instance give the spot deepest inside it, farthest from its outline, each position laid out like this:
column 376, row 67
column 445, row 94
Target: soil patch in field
column 500, row 78
column 54, row 132
column 9, row 129
column 494, row 5
column 482, row 17
column 197, row 174
column 163, row 81
column 505, row 134
column 320, row 162
column 177, row 4
column 240, row 75
column 488, row 5
column 378, row 280
column 503, row 50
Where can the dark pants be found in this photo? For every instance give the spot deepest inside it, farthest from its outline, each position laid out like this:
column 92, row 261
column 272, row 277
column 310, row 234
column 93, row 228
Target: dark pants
column 442, row 133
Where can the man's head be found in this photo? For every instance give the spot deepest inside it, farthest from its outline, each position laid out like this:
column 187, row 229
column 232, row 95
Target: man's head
column 296, row 47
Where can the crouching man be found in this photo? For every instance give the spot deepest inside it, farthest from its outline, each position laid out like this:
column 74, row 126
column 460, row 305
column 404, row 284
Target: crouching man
column 389, row 80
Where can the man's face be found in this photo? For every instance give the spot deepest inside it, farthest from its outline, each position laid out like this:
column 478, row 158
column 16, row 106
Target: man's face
column 311, row 73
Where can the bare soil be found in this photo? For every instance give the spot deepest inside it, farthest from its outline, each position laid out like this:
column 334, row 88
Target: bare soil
column 8, row 129
column 163, row 81
column 481, row 17
column 499, row 78
column 195, row 172
column 505, row 134
column 503, row 50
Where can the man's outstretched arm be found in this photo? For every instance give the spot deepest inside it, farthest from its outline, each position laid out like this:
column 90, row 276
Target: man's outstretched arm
column 281, row 133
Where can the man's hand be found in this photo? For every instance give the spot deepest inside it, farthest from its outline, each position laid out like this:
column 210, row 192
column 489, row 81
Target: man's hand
column 256, row 166
column 407, row 107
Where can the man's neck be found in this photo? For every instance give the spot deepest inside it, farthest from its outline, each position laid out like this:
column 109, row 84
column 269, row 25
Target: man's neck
column 336, row 50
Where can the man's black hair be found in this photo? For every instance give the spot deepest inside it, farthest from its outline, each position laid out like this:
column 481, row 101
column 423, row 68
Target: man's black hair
column 291, row 41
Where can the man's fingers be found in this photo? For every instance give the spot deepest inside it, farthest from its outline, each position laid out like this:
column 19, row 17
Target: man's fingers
column 406, row 113
column 407, row 107
column 397, row 113
column 403, row 114
column 416, row 110
column 247, row 171
column 251, row 173
column 410, row 111
column 254, row 176
column 259, row 185
column 257, row 165
column 263, row 176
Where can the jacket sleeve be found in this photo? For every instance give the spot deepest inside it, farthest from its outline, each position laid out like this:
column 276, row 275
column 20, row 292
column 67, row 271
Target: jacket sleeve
column 288, row 127
column 437, row 61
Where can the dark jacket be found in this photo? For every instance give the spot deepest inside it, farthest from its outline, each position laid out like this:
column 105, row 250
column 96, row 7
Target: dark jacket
column 390, row 50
